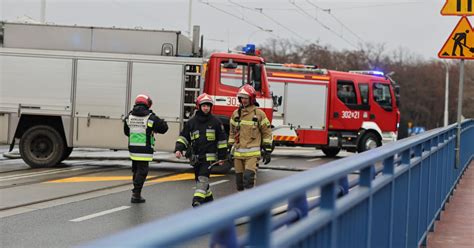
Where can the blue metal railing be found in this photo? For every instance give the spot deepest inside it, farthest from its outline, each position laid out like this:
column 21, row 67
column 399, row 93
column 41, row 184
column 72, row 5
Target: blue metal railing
column 395, row 209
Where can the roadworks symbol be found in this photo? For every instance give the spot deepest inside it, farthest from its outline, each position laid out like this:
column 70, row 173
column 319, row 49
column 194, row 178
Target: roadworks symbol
column 458, row 7
column 460, row 44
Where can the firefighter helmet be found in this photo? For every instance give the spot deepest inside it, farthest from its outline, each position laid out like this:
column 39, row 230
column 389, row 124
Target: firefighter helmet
column 247, row 91
column 143, row 99
column 204, row 98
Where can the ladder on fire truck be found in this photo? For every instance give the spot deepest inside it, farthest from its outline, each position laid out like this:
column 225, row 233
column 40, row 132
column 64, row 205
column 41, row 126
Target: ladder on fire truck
column 192, row 89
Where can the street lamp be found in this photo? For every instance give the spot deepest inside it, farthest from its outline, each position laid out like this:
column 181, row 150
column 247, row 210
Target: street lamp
column 256, row 31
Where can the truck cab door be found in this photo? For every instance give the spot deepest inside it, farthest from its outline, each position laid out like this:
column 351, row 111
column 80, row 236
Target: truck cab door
column 231, row 75
column 383, row 106
column 346, row 109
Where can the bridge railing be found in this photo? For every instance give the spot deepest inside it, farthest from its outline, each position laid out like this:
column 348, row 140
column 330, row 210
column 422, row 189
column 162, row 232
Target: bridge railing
column 397, row 208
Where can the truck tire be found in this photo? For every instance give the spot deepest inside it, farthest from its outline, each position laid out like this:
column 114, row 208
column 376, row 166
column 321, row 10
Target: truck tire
column 222, row 169
column 368, row 141
column 331, row 152
column 42, row 146
column 67, row 151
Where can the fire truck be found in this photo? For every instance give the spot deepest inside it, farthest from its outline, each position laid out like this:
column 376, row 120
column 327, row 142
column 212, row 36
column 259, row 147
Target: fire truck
column 332, row 110
column 64, row 87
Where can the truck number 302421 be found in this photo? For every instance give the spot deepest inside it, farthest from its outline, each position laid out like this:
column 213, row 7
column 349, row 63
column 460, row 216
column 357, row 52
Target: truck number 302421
column 350, row 115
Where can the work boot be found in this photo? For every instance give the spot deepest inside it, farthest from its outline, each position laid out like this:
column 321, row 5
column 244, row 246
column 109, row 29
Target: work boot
column 197, row 201
column 137, row 198
column 208, row 199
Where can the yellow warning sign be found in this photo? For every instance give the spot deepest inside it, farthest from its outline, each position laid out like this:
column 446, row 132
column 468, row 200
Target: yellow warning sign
column 458, row 7
column 460, row 44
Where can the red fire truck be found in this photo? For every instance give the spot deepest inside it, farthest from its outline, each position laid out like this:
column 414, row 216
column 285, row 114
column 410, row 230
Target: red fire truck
column 333, row 110
column 329, row 110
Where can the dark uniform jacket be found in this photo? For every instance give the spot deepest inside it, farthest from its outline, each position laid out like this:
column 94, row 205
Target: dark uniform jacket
column 153, row 125
column 205, row 136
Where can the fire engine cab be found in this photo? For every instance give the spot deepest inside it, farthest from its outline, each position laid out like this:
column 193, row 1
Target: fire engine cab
column 333, row 110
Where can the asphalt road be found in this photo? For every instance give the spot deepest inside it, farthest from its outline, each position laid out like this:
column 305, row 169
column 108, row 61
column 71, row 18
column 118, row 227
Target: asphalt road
column 85, row 199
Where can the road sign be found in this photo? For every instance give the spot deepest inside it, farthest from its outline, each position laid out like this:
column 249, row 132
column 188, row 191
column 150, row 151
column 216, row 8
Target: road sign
column 458, row 7
column 460, row 44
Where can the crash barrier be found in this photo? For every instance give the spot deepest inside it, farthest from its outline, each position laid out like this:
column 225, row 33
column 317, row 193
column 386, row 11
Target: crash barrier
column 397, row 208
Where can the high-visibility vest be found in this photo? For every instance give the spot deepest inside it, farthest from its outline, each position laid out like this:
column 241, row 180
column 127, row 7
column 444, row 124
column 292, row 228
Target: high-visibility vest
column 141, row 140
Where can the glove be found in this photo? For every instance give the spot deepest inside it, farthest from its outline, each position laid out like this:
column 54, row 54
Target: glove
column 266, row 157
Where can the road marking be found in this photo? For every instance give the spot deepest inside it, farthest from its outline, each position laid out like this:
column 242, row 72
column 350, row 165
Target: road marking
column 313, row 159
column 215, row 183
column 179, row 177
column 35, row 174
column 87, row 217
column 218, row 182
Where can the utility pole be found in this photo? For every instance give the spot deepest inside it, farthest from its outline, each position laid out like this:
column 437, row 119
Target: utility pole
column 446, row 96
column 43, row 12
column 460, row 94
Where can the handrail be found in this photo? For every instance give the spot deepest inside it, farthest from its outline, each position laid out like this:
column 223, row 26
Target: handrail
column 395, row 209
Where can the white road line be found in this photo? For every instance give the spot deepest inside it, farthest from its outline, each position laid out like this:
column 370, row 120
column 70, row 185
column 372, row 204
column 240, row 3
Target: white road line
column 215, row 183
column 313, row 159
column 35, row 174
column 218, row 182
column 87, row 217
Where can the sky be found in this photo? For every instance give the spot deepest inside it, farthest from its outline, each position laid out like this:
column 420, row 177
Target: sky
column 343, row 24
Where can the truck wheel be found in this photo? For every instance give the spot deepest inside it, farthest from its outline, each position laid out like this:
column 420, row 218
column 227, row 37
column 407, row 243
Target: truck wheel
column 331, row 152
column 66, row 153
column 369, row 141
column 222, row 169
column 42, row 146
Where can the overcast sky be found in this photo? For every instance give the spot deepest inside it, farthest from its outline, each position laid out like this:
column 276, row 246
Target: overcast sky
column 414, row 25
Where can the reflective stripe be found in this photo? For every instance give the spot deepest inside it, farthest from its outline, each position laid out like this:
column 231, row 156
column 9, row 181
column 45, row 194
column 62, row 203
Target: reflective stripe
column 211, row 134
column 267, row 141
column 247, row 154
column 248, row 123
column 137, row 144
column 150, row 123
column 141, row 156
column 209, row 193
column 201, row 195
column 211, row 157
column 195, row 135
column 183, row 140
column 231, row 141
column 222, row 144
column 265, row 122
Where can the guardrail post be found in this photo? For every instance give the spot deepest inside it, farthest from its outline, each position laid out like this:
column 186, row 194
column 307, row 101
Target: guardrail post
column 226, row 237
column 328, row 203
column 260, row 229
column 300, row 205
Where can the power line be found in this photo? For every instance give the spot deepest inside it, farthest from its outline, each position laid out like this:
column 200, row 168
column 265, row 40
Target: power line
column 328, row 11
column 379, row 5
column 321, row 23
column 260, row 11
column 235, row 16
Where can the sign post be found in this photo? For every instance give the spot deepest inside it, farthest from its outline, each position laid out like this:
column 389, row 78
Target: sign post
column 459, row 45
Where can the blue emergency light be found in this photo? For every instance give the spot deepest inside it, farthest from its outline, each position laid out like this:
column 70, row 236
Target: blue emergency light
column 249, row 49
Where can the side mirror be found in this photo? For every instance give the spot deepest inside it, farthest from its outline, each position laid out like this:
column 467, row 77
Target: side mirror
column 280, row 99
column 230, row 64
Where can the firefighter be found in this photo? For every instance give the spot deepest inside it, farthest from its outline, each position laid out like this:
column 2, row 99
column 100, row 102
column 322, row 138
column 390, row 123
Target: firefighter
column 140, row 125
column 205, row 142
column 250, row 138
